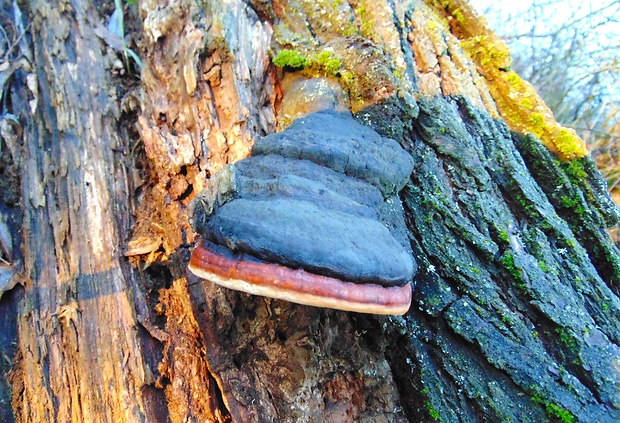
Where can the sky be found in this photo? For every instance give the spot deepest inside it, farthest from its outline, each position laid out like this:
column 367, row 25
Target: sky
column 555, row 16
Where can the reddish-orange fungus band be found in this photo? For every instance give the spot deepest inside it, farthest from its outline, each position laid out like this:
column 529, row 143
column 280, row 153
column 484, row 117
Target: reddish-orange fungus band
column 298, row 286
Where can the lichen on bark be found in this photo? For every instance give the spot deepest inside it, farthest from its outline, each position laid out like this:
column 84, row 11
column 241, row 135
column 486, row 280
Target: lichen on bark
column 517, row 101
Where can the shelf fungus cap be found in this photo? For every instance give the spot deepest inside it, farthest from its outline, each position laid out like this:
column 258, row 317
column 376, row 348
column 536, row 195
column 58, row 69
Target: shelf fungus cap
column 298, row 228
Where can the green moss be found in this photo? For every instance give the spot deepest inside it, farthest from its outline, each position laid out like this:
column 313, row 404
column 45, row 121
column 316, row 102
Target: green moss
column 503, row 235
column 522, row 287
column 508, row 260
column 367, row 28
column 368, row 25
column 580, row 210
column 434, row 414
column 433, row 301
column 527, row 206
column 543, row 266
column 333, row 66
column 564, row 415
column 573, row 203
column 323, row 61
column 349, row 30
column 545, row 225
column 292, row 59
column 569, row 202
column 575, row 171
column 321, row 58
column 554, row 410
column 567, row 339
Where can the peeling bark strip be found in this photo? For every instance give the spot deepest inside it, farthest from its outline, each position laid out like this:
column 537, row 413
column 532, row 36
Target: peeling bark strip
column 190, row 131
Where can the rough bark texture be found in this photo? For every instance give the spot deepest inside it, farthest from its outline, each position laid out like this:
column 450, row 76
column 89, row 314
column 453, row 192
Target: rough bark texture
column 515, row 314
column 82, row 356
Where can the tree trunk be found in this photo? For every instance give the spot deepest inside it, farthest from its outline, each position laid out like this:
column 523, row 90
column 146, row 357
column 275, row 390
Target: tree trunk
column 515, row 310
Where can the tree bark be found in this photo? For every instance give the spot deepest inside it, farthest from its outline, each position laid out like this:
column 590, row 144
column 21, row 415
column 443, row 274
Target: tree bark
column 515, row 305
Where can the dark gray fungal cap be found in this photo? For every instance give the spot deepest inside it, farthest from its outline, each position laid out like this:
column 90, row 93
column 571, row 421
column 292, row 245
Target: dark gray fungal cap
column 336, row 141
column 301, row 234
column 320, row 196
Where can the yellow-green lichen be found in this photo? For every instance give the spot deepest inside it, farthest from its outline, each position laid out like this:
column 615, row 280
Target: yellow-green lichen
column 513, row 79
column 488, row 52
column 347, row 77
column 536, row 124
column 516, row 100
column 368, row 24
column 458, row 15
column 527, row 102
column 568, row 142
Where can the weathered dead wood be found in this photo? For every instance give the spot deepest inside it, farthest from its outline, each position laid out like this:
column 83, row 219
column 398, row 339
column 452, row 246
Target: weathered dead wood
column 81, row 354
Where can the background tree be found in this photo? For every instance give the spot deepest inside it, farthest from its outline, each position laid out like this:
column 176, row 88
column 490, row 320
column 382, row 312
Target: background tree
column 569, row 51
column 515, row 309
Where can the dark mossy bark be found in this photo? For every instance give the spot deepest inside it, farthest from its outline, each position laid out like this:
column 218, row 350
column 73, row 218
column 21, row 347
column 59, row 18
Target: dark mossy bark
column 516, row 312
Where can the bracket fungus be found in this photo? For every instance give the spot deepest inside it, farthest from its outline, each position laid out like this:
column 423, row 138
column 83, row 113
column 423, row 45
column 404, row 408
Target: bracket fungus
column 312, row 217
